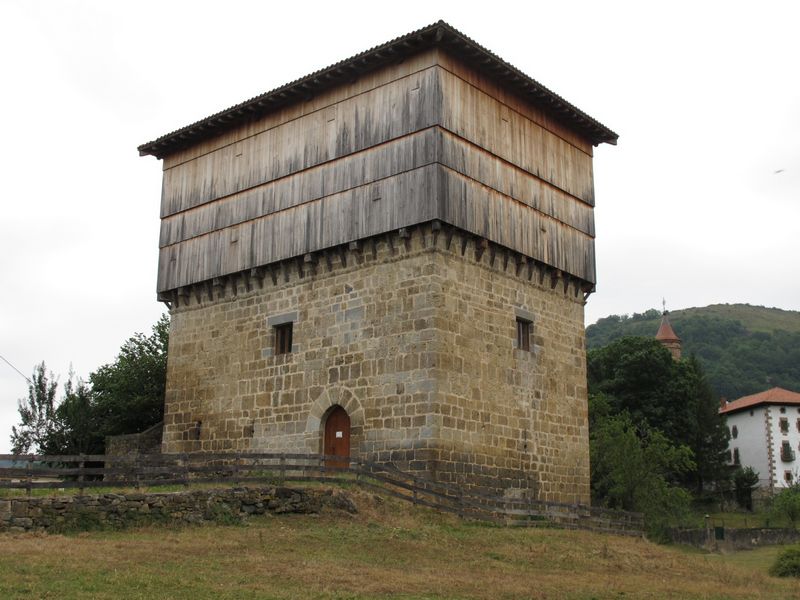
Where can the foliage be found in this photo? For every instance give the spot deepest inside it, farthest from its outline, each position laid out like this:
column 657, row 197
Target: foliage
column 128, row 394
column 36, row 413
column 76, row 428
column 125, row 396
column 744, row 482
column 787, row 503
column 632, row 469
column 638, row 377
column 743, row 349
column 787, row 564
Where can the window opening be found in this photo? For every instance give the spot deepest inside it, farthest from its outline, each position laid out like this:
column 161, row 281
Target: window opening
column 734, row 432
column 787, row 454
column 283, row 338
column 524, row 334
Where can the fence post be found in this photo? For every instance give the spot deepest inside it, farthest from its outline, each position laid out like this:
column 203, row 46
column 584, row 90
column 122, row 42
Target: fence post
column 185, row 463
column 236, row 470
column 137, row 469
column 29, row 475
column 81, row 466
column 282, row 469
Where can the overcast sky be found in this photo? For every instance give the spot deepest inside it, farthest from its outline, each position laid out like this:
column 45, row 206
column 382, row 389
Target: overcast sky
column 698, row 203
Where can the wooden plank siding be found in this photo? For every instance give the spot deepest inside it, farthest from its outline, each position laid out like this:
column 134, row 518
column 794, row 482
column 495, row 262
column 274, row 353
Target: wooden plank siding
column 393, row 110
column 475, row 162
column 358, row 86
column 491, row 215
column 397, row 156
column 430, row 142
column 511, row 100
column 474, row 115
column 360, row 168
column 335, row 219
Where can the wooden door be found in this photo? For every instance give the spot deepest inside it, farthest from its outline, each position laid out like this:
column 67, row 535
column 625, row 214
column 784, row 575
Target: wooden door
column 337, row 437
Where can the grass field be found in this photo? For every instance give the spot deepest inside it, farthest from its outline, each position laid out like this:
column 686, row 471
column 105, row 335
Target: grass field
column 388, row 550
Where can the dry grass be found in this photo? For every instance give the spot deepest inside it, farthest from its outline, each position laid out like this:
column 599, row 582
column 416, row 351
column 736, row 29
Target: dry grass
column 388, row 550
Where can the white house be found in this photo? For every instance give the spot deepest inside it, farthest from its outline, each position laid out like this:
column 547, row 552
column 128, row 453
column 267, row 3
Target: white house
column 765, row 435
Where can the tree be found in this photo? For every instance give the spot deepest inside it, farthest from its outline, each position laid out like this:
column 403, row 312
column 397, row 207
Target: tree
column 744, row 482
column 128, row 394
column 707, row 435
column 638, row 376
column 787, row 503
column 37, row 414
column 634, row 469
column 76, row 428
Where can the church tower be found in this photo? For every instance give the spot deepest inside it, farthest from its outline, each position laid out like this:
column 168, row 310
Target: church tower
column 668, row 338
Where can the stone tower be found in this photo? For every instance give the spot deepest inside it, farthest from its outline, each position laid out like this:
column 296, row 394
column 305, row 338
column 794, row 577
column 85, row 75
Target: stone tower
column 387, row 259
column 668, row 338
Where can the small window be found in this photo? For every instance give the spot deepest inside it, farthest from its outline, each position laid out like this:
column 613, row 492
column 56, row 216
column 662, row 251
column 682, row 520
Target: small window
column 784, row 425
column 283, row 338
column 787, row 476
column 524, row 334
column 798, row 424
column 783, row 410
column 734, row 432
column 751, row 413
column 736, row 460
column 787, row 454
column 730, row 456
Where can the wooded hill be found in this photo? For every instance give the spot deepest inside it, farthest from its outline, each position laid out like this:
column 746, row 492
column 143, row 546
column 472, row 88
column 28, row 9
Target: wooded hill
column 744, row 349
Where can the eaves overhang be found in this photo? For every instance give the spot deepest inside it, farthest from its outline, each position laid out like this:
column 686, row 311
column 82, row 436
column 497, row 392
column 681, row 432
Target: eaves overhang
column 440, row 35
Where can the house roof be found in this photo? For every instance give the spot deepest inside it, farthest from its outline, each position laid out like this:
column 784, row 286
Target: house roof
column 439, row 34
column 774, row 396
column 665, row 331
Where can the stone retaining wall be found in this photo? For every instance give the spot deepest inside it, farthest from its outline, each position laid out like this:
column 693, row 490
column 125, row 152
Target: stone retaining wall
column 122, row 510
column 145, row 442
column 735, row 539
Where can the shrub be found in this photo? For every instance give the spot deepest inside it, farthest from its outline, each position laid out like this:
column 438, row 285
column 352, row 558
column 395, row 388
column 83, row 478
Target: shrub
column 787, row 504
column 787, row 564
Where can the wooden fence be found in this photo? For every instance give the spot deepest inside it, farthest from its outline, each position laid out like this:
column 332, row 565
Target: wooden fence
column 31, row 472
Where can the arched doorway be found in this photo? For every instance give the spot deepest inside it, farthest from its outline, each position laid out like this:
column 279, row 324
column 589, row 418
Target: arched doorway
column 337, row 437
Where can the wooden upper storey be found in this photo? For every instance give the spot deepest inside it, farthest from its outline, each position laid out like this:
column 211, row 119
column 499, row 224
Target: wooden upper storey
column 426, row 138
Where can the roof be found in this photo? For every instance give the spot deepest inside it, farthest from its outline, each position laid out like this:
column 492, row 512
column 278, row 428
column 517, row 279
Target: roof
column 665, row 331
column 774, row 396
column 439, row 34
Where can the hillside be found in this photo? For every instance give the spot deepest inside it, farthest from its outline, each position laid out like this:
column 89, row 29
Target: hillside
column 744, row 349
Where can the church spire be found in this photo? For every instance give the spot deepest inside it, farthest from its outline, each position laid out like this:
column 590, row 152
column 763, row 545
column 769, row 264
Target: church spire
column 667, row 336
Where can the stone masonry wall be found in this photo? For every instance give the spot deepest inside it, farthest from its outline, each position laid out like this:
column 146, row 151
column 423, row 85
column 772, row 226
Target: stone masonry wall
column 506, row 410
column 122, row 510
column 145, row 442
column 414, row 336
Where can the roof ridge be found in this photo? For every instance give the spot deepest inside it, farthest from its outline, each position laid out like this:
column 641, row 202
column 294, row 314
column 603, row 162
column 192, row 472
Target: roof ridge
column 431, row 35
